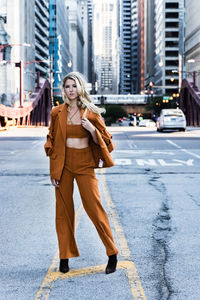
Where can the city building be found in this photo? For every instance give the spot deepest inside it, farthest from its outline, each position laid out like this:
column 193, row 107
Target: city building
column 76, row 35
column 169, row 45
column 88, row 53
column 134, row 47
column 149, row 42
column 17, row 23
column 106, row 46
column 125, row 42
column 41, row 31
column 141, row 43
column 60, row 56
column 192, row 39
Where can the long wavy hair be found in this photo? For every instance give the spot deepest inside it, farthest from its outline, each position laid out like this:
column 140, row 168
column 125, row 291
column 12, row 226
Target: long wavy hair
column 84, row 99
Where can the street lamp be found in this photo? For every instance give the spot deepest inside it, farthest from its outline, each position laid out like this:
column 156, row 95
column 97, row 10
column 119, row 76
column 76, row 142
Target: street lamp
column 10, row 45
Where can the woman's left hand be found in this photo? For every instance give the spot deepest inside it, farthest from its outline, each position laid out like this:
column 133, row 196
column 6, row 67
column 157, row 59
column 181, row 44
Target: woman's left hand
column 87, row 125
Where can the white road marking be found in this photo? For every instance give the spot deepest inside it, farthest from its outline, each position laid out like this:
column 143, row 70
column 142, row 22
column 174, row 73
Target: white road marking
column 183, row 150
column 148, row 162
column 153, row 162
column 141, row 152
column 166, row 164
column 188, row 162
column 123, row 161
column 163, row 152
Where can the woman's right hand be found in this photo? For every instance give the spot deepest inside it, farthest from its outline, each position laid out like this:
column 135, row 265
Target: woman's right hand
column 55, row 183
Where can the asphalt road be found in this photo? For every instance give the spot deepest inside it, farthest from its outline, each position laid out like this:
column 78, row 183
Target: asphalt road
column 153, row 201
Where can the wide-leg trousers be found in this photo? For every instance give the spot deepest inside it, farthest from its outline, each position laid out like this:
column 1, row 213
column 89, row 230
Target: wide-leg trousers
column 79, row 165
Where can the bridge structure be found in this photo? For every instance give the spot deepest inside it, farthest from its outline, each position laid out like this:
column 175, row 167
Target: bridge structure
column 190, row 102
column 120, row 99
column 131, row 103
column 34, row 112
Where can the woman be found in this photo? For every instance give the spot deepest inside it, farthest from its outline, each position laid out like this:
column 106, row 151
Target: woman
column 77, row 143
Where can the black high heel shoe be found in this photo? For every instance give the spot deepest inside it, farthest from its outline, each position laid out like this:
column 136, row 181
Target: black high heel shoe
column 112, row 264
column 64, row 267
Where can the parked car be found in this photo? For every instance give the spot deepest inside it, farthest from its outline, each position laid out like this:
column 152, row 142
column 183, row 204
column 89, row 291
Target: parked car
column 171, row 119
column 147, row 123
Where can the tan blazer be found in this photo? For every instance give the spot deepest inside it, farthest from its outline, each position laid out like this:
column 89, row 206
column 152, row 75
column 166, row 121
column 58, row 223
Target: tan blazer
column 55, row 145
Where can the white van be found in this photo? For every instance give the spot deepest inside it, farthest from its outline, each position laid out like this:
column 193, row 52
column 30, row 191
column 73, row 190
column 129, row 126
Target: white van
column 171, row 119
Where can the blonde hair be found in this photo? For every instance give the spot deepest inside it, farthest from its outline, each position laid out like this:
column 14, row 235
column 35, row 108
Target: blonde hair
column 84, row 99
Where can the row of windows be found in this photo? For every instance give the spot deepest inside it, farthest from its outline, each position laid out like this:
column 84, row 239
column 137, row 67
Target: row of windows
column 172, row 24
column 169, row 82
column 172, row 5
column 173, row 44
column 169, row 73
column 173, row 63
column 171, row 53
column 171, row 34
column 171, row 15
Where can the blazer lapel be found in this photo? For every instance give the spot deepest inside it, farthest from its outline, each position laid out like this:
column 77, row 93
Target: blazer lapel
column 63, row 119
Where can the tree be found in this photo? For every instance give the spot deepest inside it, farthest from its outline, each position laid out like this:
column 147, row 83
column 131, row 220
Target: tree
column 113, row 113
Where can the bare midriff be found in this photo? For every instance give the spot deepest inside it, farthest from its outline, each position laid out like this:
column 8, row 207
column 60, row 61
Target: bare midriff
column 77, row 143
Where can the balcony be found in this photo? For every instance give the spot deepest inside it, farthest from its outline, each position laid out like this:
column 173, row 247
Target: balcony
column 42, row 28
column 41, row 48
column 39, row 57
column 42, row 70
column 44, row 11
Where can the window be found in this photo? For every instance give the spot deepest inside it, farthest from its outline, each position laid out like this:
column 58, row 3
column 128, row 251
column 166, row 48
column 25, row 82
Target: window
column 171, row 91
column 171, row 53
column 173, row 63
column 169, row 82
column 171, row 15
column 169, row 73
column 171, row 44
column 171, row 24
column 171, row 34
column 171, row 5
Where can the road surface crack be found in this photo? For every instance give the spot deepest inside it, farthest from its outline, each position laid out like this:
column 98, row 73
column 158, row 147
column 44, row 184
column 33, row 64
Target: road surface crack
column 161, row 237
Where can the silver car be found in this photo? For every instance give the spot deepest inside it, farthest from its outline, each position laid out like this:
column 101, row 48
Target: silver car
column 171, row 119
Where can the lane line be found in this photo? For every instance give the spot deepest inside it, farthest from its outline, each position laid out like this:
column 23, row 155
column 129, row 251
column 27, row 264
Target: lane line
column 133, row 277
column 134, row 281
column 183, row 150
column 52, row 273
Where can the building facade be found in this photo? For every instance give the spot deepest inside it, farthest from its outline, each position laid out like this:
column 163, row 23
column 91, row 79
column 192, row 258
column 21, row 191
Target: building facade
column 88, row 54
column 134, row 46
column 76, row 35
column 192, row 39
column 169, row 45
column 18, row 23
column 60, row 56
column 106, row 45
column 141, row 44
column 150, row 42
column 41, row 37
column 125, row 41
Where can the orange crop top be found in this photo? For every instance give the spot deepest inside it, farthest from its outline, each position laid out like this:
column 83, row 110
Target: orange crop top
column 76, row 131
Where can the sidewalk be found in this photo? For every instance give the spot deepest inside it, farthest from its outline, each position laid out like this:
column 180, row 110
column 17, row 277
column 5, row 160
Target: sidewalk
column 14, row 131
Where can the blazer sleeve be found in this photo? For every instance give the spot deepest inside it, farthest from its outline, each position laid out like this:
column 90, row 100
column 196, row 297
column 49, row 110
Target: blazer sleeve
column 107, row 137
column 50, row 137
